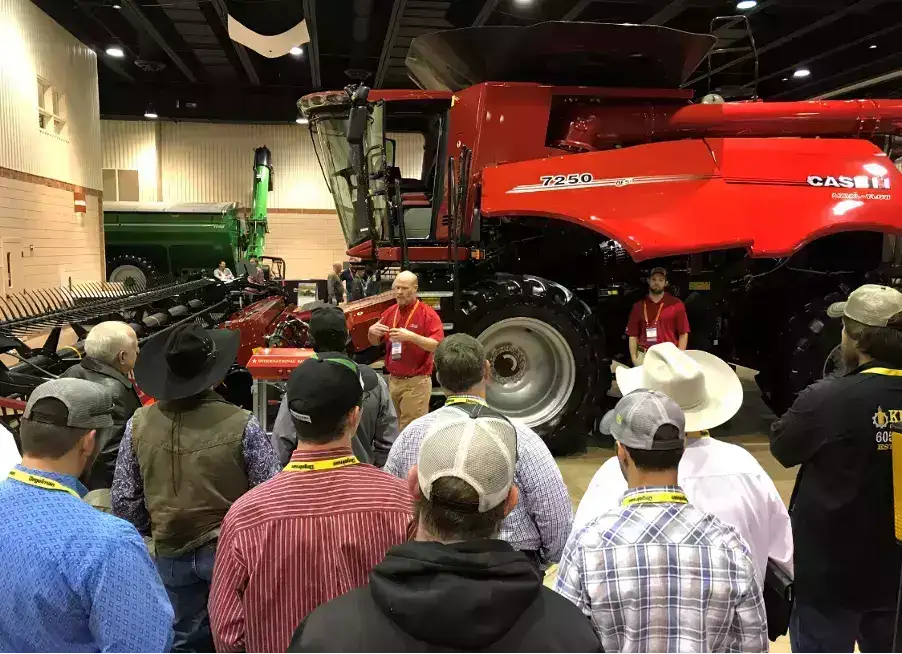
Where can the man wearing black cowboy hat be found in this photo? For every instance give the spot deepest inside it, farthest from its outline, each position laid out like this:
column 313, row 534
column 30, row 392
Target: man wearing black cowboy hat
column 378, row 427
column 183, row 462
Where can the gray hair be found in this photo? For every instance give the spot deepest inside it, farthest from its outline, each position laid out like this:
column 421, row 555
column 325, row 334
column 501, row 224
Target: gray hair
column 107, row 339
column 459, row 362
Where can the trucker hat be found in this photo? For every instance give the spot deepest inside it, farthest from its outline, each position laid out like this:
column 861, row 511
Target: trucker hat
column 322, row 391
column 657, row 270
column 478, row 447
column 88, row 405
column 328, row 318
column 638, row 416
column 872, row 304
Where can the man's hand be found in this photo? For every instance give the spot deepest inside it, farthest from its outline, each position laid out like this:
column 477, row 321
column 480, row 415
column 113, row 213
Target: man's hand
column 376, row 333
column 400, row 335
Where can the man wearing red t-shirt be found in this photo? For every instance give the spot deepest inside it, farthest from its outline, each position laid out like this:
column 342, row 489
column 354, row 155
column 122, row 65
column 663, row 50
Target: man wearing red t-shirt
column 411, row 330
column 657, row 318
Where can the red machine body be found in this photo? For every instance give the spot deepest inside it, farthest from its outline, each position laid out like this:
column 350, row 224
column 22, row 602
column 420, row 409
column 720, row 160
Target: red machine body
column 276, row 363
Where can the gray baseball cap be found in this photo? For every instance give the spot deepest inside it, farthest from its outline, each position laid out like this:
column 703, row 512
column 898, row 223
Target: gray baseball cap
column 88, row 405
column 871, row 305
column 638, row 416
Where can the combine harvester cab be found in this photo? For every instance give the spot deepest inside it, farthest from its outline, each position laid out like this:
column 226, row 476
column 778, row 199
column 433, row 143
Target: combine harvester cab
column 563, row 160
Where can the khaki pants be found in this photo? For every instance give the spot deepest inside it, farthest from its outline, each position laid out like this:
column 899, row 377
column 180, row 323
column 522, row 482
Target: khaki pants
column 410, row 396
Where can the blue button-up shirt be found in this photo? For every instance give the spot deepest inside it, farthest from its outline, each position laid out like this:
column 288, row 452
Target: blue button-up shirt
column 75, row 579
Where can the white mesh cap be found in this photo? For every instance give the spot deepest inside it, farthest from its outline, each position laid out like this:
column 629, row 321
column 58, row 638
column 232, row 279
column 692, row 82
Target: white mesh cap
column 481, row 451
column 871, row 305
column 638, row 416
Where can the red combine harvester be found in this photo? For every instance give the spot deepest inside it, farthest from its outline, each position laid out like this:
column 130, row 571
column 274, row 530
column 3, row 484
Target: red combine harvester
column 561, row 162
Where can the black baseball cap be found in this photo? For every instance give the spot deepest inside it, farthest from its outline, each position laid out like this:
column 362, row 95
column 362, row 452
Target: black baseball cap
column 321, row 392
column 327, row 318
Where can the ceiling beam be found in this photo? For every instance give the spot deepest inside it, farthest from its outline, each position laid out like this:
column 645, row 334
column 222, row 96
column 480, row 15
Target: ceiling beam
column 313, row 50
column 485, row 12
column 668, row 13
column 828, row 53
column 891, row 59
column 863, row 84
column 394, row 22
column 861, row 5
column 577, row 10
column 156, row 36
column 219, row 6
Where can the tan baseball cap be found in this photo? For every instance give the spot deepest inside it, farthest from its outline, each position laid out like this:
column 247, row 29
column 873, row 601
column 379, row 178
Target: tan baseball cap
column 871, row 305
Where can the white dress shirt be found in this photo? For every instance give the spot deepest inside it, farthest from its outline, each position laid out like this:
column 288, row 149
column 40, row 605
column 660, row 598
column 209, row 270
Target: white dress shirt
column 9, row 453
column 722, row 479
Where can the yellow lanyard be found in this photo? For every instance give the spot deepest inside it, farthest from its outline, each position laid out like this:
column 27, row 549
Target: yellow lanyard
column 458, row 399
column 41, row 482
column 409, row 315
column 656, row 497
column 322, row 464
column 645, row 311
column 886, row 372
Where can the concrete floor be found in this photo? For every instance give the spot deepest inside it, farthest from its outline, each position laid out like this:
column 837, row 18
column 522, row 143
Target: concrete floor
column 749, row 429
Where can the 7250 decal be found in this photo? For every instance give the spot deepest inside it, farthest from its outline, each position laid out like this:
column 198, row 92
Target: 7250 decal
column 566, row 180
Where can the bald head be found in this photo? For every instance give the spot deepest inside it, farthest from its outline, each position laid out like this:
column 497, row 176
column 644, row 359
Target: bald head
column 405, row 287
column 113, row 343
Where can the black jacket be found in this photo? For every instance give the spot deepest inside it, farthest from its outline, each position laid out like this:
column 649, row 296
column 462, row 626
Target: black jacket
column 842, row 507
column 479, row 595
column 99, row 474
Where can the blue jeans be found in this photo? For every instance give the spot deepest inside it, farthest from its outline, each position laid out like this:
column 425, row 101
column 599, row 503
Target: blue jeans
column 187, row 579
column 835, row 629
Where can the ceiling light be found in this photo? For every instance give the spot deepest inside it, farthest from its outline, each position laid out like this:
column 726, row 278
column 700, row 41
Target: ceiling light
column 801, row 72
column 115, row 51
column 300, row 120
column 522, row 3
column 872, row 47
column 785, row 79
column 150, row 112
column 117, row 6
column 297, row 51
column 746, row 4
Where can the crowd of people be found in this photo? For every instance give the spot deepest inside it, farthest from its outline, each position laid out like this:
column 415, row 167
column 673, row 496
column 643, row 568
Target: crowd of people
column 364, row 522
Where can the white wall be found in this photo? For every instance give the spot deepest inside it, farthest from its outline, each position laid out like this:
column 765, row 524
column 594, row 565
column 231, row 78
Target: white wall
column 209, row 162
column 32, row 45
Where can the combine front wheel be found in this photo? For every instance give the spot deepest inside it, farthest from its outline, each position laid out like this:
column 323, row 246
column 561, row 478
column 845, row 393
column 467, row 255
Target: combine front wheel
column 546, row 356
column 130, row 270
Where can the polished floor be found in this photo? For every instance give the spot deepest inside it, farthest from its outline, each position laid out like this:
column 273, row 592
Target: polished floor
column 748, row 428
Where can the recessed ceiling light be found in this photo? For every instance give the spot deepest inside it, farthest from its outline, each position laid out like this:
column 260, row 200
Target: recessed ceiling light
column 297, row 51
column 115, row 51
column 801, row 72
column 746, row 4
column 300, row 120
column 117, row 6
column 872, row 47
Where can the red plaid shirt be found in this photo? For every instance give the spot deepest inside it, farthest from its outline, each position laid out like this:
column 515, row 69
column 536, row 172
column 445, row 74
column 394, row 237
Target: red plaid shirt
column 297, row 541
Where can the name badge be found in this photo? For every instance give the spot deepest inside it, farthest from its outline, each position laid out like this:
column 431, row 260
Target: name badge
column 651, row 335
column 396, row 350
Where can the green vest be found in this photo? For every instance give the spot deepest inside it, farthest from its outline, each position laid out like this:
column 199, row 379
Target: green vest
column 192, row 465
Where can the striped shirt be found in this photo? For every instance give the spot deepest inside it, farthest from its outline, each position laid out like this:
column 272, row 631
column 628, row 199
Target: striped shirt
column 665, row 577
column 297, row 541
column 543, row 516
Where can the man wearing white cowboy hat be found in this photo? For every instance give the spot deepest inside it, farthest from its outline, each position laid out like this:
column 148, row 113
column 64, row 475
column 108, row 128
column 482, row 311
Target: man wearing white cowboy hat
column 718, row 477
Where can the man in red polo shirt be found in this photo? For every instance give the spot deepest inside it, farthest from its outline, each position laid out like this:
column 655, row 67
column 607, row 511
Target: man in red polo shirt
column 657, row 318
column 411, row 331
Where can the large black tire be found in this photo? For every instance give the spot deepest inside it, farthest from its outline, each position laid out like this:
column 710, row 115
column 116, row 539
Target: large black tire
column 807, row 351
column 133, row 271
column 540, row 309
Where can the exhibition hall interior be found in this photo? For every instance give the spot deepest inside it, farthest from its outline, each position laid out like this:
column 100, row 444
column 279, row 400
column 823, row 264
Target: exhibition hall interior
column 450, row 325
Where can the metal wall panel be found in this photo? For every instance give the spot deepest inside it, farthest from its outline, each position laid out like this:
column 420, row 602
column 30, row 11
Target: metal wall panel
column 207, row 162
column 32, row 45
column 132, row 145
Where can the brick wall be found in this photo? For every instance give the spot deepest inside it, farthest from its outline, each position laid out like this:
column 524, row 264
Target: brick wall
column 57, row 244
column 310, row 241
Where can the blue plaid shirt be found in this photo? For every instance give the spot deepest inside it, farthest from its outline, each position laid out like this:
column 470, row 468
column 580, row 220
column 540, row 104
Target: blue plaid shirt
column 541, row 520
column 665, row 577
column 75, row 579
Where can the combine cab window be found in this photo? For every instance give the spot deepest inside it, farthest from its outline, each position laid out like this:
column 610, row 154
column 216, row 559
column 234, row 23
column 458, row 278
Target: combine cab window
column 332, row 146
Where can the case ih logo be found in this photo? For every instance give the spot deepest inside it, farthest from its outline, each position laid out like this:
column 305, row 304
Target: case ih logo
column 843, row 181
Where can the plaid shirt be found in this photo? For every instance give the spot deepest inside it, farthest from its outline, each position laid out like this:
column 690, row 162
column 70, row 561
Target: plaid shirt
column 665, row 577
column 543, row 516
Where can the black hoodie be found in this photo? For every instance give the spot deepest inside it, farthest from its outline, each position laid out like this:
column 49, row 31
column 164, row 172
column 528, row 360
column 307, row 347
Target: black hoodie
column 478, row 595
